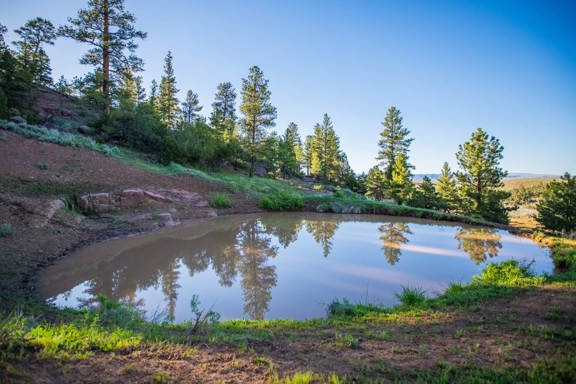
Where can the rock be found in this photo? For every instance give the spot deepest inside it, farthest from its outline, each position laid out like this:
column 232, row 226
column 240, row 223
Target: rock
column 97, row 203
column 46, row 213
column 168, row 220
column 158, row 197
column 132, row 197
column 18, row 119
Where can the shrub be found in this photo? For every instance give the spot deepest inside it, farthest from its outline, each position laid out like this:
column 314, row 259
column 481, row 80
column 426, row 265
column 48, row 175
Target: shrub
column 508, row 273
column 411, row 297
column 220, row 200
column 282, row 201
column 41, row 165
column 5, row 230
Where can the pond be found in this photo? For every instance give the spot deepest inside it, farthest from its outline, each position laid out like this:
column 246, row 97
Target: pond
column 289, row 265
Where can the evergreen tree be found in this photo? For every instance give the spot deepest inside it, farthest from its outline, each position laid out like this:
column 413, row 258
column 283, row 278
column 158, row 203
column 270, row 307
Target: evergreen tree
column 63, row 86
column 223, row 117
column 3, row 30
column 30, row 50
column 446, row 189
column 258, row 112
column 480, row 178
column 287, row 152
column 109, row 29
column 375, row 183
column 140, row 91
column 167, row 103
column 191, row 107
column 401, row 186
column 308, row 154
column 557, row 208
column 425, row 195
column 393, row 141
column 128, row 92
column 326, row 151
column 153, row 98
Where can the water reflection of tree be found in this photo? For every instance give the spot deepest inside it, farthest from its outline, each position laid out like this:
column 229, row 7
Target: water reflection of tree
column 479, row 243
column 393, row 235
column 323, row 231
column 284, row 229
column 257, row 277
column 169, row 277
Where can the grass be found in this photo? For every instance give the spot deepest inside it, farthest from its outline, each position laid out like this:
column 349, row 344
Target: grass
column 282, row 201
column 220, row 200
column 58, row 137
column 411, row 297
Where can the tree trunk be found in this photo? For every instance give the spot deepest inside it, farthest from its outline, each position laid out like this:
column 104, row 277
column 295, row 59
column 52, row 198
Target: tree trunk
column 106, row 58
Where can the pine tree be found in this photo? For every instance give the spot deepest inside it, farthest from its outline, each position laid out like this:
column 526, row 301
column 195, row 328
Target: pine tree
column 223, row 117
column 109, row 29
column 167, row 103
column 446, row 189
column 191, row 107
column 258, row 112
column 481, row 178
column 153, row 98
column 401, row 186
column 325, row 160
column 287, row 151
column 557, row 208
column 3, row 30
column 140, row 91
column 30, row 49
column 393, row 140
column 308, row 154
column 425, row 195
column 63, row 86
column 128, row 92
column 375, row 183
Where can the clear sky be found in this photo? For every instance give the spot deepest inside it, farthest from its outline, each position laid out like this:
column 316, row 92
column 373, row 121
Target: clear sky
column 449, row 66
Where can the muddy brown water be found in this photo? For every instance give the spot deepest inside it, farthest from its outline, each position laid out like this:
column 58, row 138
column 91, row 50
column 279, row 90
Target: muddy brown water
column 288, row 265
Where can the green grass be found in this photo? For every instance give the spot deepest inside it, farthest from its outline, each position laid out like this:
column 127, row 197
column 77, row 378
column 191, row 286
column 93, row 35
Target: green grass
column 411, row 297
column 282, row 201
column 220, row 200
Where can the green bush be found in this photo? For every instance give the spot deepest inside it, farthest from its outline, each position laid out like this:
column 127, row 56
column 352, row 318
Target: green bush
column 508, row 273
column 5, row 230
column 282, row 201
column 41, row 165
column 411, row 297
column 220, row 200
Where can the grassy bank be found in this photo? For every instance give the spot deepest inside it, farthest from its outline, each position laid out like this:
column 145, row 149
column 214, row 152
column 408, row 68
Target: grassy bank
column 34, row 333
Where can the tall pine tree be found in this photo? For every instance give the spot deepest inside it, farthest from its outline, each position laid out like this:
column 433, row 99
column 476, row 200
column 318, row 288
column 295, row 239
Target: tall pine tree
column 446, row 189
column 481, row 178
column 109, row 29
column 401, row 186
column 223, row 117
column 30, row 51
column 393, row 140
column 190, row 107
column 167, row 103
column 259, row 113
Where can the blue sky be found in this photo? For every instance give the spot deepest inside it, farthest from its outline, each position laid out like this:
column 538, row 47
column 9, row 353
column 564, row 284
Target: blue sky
column 449, row 66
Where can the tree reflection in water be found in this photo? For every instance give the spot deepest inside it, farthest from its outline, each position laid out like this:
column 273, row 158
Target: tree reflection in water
column 238, row 249
column 323, row 230
column 393, row 236
column 479, row 243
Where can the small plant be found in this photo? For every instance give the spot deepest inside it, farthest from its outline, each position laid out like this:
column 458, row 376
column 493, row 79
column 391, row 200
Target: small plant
column 6, row 230
column 220, row 200
column 41, row 165
column 347, row 340
column 411, row 297
column 282, row 201
column 203, row 320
